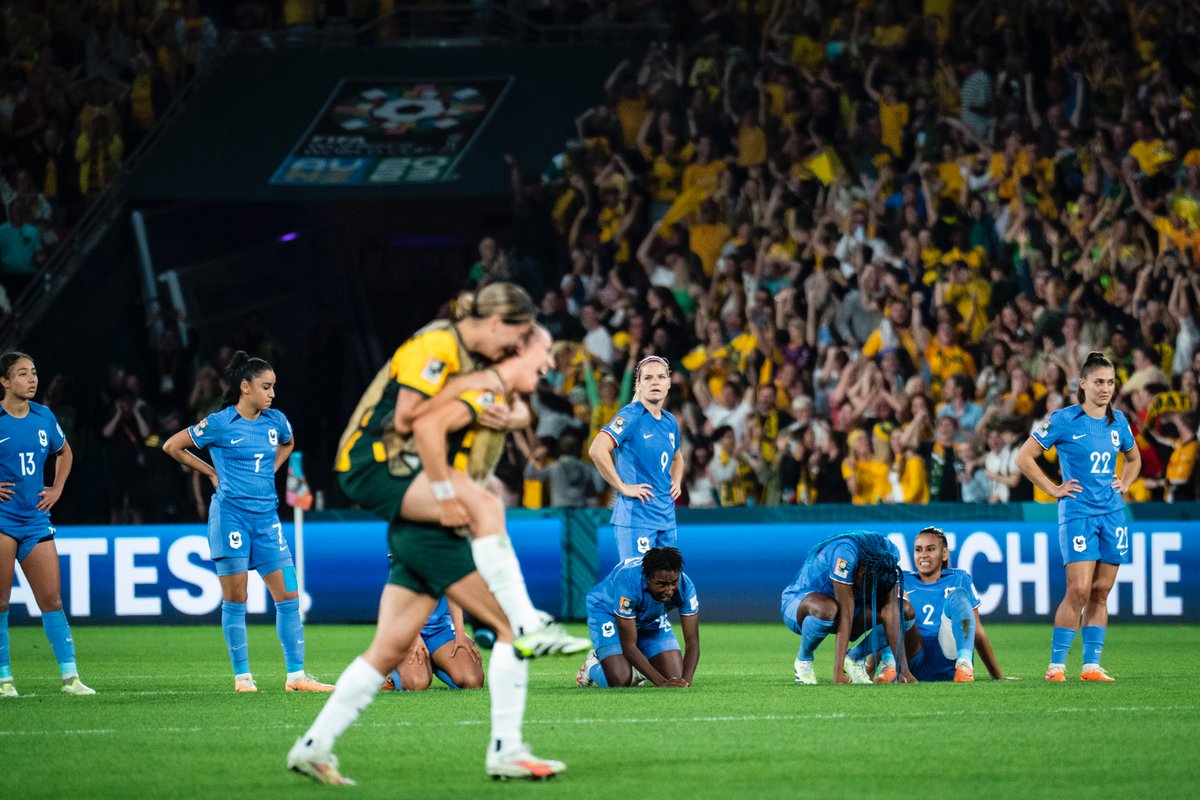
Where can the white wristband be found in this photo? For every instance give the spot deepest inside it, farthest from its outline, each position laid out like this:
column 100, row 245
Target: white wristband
column 442, row 490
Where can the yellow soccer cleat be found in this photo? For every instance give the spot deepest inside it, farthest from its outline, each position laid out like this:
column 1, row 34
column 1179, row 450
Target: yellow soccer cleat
column 72, row 685
column 307, row 684
column 8, row 688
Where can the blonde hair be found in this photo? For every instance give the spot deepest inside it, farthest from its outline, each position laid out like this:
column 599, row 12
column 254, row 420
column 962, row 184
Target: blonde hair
column 506, row 300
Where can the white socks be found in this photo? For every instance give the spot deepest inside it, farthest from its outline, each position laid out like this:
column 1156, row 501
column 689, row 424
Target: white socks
column 497, row 563
column 354, row 691
column 508, row 679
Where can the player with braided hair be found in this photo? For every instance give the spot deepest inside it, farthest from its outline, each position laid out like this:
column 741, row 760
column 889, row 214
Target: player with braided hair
column 843, row 573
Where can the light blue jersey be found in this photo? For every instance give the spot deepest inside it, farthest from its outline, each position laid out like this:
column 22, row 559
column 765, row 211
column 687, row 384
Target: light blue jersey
column 645, row 449
column 25, row 444
column 1087, row 452
column 243, row 454
column 929, row 599
column 625, row 594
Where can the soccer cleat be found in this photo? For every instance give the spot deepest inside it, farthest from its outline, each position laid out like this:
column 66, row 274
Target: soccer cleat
column 584, row 676
column 638, row 678
column 856, row 671
column 72, row 685
column 520, row 763
column 1056, row 673
column 389, row 683
column 964, row 672
column 886, row 673
column 1095, row 672
column 307, row 684
column 552, row 640
column 804, row 673
column 316, row 766
column 244, row 683
column 8, row 688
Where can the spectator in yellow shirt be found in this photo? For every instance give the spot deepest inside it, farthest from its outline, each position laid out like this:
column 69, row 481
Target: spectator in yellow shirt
column 866, row 475
column 908, row 477
column 945, row 358
column 893, row 112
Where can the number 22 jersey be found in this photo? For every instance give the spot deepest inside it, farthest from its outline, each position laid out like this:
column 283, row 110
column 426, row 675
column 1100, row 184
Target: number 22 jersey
column 1087, row 452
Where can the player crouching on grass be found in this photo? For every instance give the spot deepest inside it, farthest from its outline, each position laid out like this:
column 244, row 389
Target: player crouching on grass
column 627, row 619
column 948, row 629
column 842, row 573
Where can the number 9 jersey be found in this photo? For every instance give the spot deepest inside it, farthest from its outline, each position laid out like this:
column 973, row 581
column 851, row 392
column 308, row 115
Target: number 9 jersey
column 645, row 449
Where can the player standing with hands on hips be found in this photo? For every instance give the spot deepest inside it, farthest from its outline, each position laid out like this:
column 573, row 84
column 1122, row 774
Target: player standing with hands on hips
column 249, row 441
column 1092, row 531
column 648, row 466
column 29, row 433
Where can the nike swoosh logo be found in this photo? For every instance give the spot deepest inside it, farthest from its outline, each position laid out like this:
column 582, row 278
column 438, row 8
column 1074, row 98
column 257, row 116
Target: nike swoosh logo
column 235, row 441
column 1080, row 436
column 647, row 435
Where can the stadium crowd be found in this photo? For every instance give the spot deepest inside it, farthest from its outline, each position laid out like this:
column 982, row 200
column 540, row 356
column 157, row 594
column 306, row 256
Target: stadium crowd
column 875, row 241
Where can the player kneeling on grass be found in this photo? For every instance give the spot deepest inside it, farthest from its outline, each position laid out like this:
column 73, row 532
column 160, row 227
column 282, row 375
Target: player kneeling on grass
column 627, row 619
column 843, row 573
column 443, row 649
column 948, row 629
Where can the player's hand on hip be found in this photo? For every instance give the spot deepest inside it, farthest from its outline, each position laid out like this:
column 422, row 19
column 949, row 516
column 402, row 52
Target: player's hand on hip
column 676, row 490
column 1068, row 489
column 6, row 491
column 215, row 480
column 1118, row 484
column 638, row 491
column 49, row 496
column 465, row 643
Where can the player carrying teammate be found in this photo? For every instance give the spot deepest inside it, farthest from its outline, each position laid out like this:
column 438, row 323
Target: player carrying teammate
column 841, row 577
column 627, row 618
column 249, row 440
column 29, row 433
column 429, row 560
column 648, row 466
column 1092, row 533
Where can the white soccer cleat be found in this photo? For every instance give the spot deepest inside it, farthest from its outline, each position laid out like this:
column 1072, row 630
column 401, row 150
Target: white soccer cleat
column 551, row 640
column 638, row 678
column 522, row 764
column 321, row 767
column 72, row 685
column 8, row 688
column 856, row 671
column 244, row 683
column 584, row 677
column 805, row 675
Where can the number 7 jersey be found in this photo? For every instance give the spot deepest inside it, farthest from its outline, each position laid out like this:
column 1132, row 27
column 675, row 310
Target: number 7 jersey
column 1087, row 452
column 243, row 454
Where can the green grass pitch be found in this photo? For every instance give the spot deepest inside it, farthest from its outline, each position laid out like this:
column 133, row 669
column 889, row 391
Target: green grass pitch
column 166, row 724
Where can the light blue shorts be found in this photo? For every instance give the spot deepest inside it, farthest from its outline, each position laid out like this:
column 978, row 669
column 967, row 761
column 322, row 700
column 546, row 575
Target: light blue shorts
column 633, row 542
column 1102, row 538
column 240, row 541
column 651, row 641
column 28, row 536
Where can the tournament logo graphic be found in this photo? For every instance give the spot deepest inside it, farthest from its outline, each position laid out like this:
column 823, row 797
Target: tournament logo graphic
column 374, row 131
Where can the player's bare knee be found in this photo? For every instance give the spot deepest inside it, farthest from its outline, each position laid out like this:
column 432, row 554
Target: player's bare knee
column 909, row 612
column 49, row 602
column 467, row 678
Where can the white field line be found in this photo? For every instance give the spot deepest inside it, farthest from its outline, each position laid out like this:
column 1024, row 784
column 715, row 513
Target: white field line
column 850, row 716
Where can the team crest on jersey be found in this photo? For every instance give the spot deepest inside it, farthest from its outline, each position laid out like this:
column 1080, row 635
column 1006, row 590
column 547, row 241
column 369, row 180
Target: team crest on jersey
column 433, row 370
column 608, row 629
column 235, row 540
column 626, row 605
column 273, row 437
column 841, row 568
column 42, row 440
column 1116, row 439
column 1080, row 544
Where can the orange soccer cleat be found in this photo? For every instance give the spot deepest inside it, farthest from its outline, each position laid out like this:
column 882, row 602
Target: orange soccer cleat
column 1056, row 673
column 1094, row 672
column 964, row 673
column 307, row 684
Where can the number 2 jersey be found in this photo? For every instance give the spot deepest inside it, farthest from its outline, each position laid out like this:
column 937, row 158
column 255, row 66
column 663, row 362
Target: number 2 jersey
column 645, row 449
column 929, row 599
column 1087, row 452
column 243, row 454
column 25, row 444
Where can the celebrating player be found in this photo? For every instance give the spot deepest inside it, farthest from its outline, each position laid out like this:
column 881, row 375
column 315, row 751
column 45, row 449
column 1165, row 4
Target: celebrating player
column 248, row 441
column 442, row 649
column 378, row 459
column 1092, row 533
column 842, row 573
column 627, row 618
column 29, row 433
column 428, row 561
column 947, row 615
column 648, row 467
